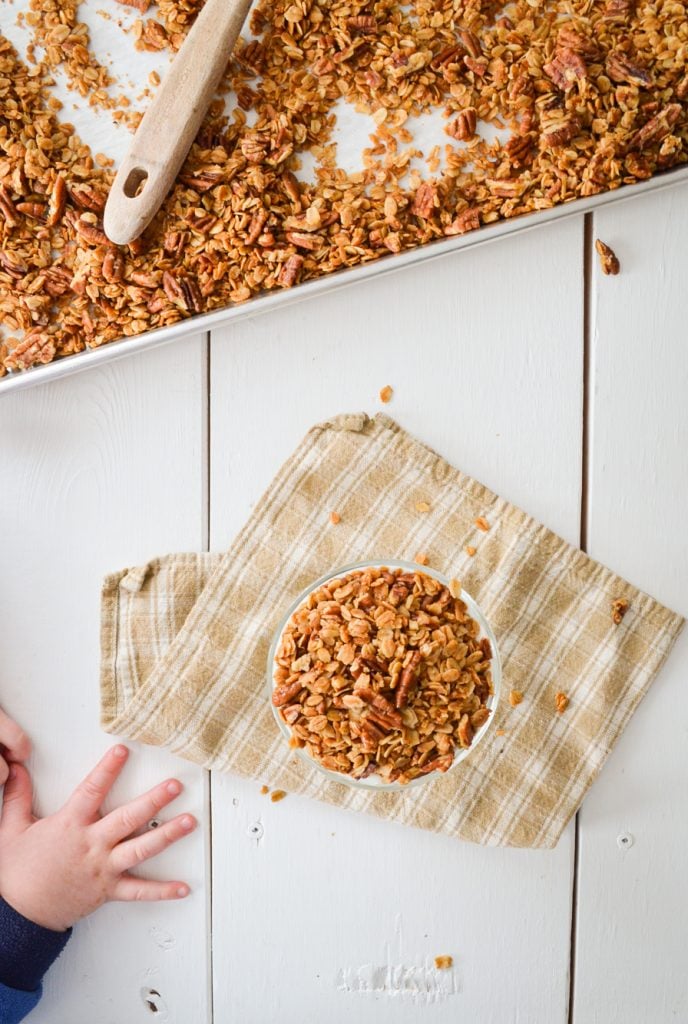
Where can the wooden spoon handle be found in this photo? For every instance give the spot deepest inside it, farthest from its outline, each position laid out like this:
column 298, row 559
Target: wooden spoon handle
column 170, row 124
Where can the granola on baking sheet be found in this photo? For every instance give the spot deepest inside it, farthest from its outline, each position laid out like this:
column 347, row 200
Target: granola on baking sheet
column 383, row 671
column 588, row 96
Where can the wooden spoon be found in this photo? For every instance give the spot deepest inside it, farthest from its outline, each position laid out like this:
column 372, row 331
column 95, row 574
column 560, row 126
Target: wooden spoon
column 170, row 124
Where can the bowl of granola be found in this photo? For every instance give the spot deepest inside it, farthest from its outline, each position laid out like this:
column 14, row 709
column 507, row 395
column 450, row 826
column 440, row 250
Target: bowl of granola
column 384, row 674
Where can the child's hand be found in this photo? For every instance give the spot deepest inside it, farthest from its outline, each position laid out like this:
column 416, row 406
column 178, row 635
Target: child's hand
column 61, row 868
column 14, row 745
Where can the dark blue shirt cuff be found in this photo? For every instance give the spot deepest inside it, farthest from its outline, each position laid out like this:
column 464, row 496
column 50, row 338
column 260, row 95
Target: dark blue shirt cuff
column 26, row 949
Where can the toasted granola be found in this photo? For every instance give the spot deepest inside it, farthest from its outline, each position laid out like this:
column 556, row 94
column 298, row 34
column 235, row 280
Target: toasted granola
column 382, row 671
column 593, row 97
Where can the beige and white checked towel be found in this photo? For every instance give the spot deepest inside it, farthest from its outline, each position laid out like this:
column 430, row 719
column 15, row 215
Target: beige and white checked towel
column 185, row 637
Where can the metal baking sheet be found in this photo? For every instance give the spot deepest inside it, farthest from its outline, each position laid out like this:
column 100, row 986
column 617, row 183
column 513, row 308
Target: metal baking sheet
column 113, row 45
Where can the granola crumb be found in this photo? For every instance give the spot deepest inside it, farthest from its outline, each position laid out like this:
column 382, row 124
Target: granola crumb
column 482, row 524
column 609, row 261
column 443, row 963
column 421, row 558
column 386, row 393
column 561, row 701
column 470, row 550
column 455, row 588
column 278, row 795
column 500, row 732
column 154, row 78
column 264, row 790
column 422, row 506
column 619, row 609
column 515, row 697
column 335, row 518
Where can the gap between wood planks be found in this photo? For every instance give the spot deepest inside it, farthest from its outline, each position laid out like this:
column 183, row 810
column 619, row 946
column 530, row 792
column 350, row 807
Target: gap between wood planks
column 206, row 413
column 588, row 256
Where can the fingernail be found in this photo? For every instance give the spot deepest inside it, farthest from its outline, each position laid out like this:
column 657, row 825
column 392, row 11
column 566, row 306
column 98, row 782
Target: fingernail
column 188, row 823
column 173, row 788
column 183, row 891
column 120, row 750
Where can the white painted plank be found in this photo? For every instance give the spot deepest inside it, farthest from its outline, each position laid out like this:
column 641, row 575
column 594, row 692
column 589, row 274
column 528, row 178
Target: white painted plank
column 98, row 472
column 485, row 354
column 632, row 899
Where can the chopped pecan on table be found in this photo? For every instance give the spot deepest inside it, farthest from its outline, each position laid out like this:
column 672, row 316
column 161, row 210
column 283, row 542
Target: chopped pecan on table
column 383, row 672
column 463, row 127
column 609, row 261
column 515, row 698
column 619, row 608
column 561, row 702
column 386, row 393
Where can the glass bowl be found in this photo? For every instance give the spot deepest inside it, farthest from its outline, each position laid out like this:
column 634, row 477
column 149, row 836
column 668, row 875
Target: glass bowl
column 374, row 782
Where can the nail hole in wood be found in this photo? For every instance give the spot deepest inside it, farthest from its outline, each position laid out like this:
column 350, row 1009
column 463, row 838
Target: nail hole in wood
column 135, row 183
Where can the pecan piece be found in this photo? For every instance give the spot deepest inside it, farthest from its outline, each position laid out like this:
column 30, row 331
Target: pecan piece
column 608, row 258
column 304, row 240
column 174, row 242
column 363, row 23
column 424, row 200
column 91, row 234
column 468, row 220
column 371, row 735
column 569, row 38
column 57, row 281
column 7, row 208
column 113, row 266
column 561, row 702
column 203, row 181
column 439, row 764
column 291, row 187
column 657, row 127
column 140, row 5
column 566, row 68
column 407, row 679
column 254, row 146
column 283, row 694
column 255, row 228
column 87, row 198
column 448, row 55
column 289, row 271
column 154, row 36
column 183, row 291
column 619, row 608
column 621, row 69
column 34, row 210
column 558, row 131
column 519, row 149
column 681, row 89
column 387, row 716
column 470, row 42
column 463, row 127
column 36, row 347
column 58, row 200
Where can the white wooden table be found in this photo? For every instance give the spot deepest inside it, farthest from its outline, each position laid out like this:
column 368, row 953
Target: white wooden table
column 565, row 391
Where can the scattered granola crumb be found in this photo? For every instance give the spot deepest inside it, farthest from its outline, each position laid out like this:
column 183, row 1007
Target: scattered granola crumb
column 500, row 732
column 421, row 558
column 515, row 697
column 562, row 702
column 422, row 506
column 470, row 550
column 609, row 261
column 619, row 609
column 386, row 393
column 455, row 588
column 335, row 518
column 482, row 524
column 264, row 790
column 154, row 78
column 278, row 795
column 442, row 963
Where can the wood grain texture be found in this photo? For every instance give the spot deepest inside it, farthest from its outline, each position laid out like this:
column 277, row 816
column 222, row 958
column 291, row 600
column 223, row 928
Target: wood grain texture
column 313, row 907
column 169, row 126
column 632, row 894
column 101, row 471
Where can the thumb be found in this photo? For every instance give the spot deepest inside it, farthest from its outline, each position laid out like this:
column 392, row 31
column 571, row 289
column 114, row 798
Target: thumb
column 16, row 801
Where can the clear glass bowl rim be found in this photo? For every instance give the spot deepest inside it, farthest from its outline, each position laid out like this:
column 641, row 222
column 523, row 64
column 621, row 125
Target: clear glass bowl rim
column 485, row 630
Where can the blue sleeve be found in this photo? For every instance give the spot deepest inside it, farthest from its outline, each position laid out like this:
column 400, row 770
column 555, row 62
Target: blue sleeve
column 14, row 1004
column 26, row 953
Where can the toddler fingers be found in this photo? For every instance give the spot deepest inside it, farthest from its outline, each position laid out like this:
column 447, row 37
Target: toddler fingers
column 87, row 798
column 13, row 738
column 129, row 818
column 17, row 799
column 136, row 851
column 130, row 888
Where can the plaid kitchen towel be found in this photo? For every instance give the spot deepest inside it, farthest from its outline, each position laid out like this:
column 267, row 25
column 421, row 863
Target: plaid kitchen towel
column 185, row 638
